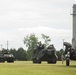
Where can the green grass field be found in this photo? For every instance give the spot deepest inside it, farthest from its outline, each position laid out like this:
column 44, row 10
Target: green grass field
column 28, row 68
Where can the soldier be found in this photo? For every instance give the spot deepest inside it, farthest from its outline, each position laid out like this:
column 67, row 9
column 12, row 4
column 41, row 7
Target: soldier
column 67, row 58
column 62, row 58
column 50, row 47
column 43, row 46
column 40, row 45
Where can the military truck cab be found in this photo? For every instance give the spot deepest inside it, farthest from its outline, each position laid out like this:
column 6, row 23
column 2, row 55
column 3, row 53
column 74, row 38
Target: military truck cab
column 45, row 54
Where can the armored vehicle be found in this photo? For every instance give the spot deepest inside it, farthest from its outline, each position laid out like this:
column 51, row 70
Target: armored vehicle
column 6, row 56
column 70, row 53
column 45, row 54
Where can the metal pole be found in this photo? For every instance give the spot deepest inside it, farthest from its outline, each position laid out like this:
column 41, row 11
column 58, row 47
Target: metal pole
column 1, row 46
column 63, row 44
column 7, row 45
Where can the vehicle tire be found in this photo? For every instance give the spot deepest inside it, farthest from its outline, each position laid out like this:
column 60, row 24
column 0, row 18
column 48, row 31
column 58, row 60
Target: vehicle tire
column 36, row 61
column 54, row 60
column 2, row 60
column 49, row 62
column 39, row 61
column 67, row 62
column 11, row 60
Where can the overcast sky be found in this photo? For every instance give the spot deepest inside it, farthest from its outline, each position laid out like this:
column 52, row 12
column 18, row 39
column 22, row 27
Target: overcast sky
column 19, row 18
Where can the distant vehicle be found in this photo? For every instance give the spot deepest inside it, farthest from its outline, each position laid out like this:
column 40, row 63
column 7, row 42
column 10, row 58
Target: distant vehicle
column 44, row 54
column 6, row 56
column 70, row 53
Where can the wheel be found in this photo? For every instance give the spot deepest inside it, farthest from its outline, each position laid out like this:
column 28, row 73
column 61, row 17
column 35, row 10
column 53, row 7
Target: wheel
column 39, row 61
column 67, row 62
column 48, row 62
column 10, row 60
column 52, row 60
column 36, row 61
column 2, row 60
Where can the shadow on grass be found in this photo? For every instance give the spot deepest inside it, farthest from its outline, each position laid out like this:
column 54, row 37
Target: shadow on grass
column 71, row 66
column 74, row 66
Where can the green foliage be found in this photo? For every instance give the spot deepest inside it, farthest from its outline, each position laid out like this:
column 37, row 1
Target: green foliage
column 46, row 39
column 14, row 52
column 59, row 53
column 30, row 42
column 21, row 54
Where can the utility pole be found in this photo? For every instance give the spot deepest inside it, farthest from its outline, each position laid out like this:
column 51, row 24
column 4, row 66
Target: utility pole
column 63, row 44
column 1, row 46
column 7, row 45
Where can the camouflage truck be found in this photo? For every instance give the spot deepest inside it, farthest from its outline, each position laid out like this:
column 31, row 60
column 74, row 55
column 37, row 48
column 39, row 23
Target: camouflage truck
column 6, row 56
column 45, row 54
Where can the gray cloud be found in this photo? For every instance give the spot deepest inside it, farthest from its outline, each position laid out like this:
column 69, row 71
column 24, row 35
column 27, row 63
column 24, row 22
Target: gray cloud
column 29, row 14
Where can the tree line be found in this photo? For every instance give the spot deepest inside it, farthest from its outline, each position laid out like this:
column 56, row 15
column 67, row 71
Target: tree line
column 30, row 42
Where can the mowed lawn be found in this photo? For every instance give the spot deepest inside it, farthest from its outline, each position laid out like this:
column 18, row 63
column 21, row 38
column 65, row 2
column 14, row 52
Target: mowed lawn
column 28, row 68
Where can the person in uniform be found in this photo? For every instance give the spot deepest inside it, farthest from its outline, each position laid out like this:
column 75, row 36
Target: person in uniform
column 62, row 58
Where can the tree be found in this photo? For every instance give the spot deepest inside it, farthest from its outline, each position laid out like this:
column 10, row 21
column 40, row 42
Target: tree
column 21, row 54
column 59, row 55
column 14, row 52
column 46, row 39
column 30, row 42
column 61, row 51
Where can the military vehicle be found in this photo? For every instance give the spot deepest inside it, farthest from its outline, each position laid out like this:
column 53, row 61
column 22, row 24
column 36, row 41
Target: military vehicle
column 44, row 54
column 70, row 53
column 6, row 56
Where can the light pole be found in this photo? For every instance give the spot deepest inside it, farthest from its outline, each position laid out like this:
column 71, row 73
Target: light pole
column 1, row 46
